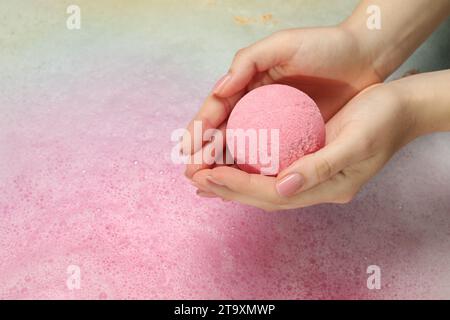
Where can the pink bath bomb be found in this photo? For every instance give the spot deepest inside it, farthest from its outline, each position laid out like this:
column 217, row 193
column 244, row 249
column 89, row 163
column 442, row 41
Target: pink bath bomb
column 299, row 122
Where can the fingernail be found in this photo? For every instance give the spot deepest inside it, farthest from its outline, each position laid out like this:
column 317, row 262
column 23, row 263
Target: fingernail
column 290, row 184
column 205, row 194
column 214, row 180
column 221, row 83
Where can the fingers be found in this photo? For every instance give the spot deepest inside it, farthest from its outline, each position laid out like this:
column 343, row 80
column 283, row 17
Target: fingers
column 254, row 185
column 338, row 189
column 209, row 155
column 257, row 58
column 211, row 115
column 207, row 180
column 235, row 185
column 259, row 80
column 244, row 73
column 230, row 195
column 313, row 169
column 239, row 185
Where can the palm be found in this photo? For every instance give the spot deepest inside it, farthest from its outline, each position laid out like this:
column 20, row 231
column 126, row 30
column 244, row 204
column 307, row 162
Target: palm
column 329, row 70
column 329, row 94
column 324, row 63
column 361, row 120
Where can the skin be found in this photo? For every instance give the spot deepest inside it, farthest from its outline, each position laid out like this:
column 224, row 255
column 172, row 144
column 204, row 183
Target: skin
column 341, row 68
column 293, row 57
column 355, row 149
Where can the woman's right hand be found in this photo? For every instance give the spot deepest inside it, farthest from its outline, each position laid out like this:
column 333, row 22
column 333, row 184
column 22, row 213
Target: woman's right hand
column 326, row 63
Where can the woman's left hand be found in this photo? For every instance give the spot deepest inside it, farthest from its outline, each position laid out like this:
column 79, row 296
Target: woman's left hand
column 361, row 138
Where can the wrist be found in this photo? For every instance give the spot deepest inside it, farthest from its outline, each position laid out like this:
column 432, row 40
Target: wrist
column 411, row 122
column 398, row 36
column 368, row 52
column 403, row 123
column 425, row 97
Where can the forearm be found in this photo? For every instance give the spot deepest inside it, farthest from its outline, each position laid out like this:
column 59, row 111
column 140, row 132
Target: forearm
column 404, row 26
column 427, row 97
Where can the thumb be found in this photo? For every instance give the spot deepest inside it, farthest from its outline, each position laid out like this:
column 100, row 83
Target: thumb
column 318, row 167
column 249, row 61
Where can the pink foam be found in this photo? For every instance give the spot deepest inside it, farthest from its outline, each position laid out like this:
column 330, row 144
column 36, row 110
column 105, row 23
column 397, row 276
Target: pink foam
column 86, row 180
column 292, row 112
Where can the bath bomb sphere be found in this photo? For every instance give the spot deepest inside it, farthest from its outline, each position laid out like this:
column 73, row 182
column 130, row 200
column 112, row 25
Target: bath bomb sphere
column 299, row 123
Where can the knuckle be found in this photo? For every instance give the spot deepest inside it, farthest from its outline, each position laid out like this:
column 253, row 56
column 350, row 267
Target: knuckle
column 227, row 106
column 322, row 168
column 240, row 53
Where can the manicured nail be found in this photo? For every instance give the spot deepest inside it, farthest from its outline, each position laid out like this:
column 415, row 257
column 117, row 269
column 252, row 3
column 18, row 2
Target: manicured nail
column 221, row 83
column 290, row 184
column 205, row 194
column 214, row 180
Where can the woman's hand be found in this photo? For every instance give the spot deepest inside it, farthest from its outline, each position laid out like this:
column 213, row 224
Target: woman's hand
column 361, row 138
column 326, row 63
